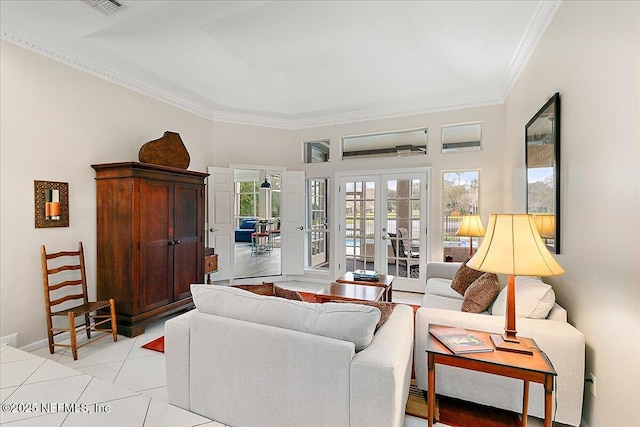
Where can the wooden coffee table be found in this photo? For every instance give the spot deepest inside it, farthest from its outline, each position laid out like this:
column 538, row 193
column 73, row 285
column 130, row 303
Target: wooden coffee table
column 349, row 292
column 384, row 281
column 536, row 368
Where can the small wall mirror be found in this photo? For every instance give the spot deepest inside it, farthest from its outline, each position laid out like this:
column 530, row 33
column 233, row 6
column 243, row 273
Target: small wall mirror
column 51, row 204
column 543, row 171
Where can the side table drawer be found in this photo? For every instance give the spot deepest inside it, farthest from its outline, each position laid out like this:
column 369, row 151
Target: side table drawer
column 211, row 263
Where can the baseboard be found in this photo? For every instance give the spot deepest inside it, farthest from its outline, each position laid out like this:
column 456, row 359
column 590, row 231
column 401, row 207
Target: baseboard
column 11, row 340
column 43, row 343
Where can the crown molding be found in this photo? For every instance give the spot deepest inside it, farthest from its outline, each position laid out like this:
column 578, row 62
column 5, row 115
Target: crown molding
column 533, row 34
column 530, row 39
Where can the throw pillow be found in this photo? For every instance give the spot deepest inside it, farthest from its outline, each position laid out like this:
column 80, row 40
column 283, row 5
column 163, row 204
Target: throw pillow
column 271, row 289
column 534, row 298
column 481, row 293
column 386, row 308
column 286, row 293
column 464, row 277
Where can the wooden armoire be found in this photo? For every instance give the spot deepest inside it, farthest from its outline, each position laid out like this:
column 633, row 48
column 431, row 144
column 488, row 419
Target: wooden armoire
column 150, row 240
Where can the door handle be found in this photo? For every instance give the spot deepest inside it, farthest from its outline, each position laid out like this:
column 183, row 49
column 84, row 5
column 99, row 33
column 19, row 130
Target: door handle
column 301, row 228
column 174, row 242
column 213, row 230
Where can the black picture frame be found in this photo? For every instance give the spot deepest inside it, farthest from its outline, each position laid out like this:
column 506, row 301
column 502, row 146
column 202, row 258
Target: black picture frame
column 542, row 159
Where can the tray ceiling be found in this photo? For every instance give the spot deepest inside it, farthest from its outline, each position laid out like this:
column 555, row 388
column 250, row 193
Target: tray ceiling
column 292, row 64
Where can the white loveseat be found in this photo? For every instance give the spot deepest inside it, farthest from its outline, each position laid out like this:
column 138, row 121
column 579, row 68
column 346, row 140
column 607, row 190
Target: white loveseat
column 251, row 360
column 563, row 344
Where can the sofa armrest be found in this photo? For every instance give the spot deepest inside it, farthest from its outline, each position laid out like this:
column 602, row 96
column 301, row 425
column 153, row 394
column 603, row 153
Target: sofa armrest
column 177, row 336
column 443, row 270
column 381, row 373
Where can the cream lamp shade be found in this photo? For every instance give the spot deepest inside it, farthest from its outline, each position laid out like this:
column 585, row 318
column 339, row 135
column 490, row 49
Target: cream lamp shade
column 471, row 226
column 512, row 246
column 546, row 225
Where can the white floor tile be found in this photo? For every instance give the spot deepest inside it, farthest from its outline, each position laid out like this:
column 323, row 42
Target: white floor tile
column 10, row 354
column 105, row 371
column 127, row 412
column 64, row 390
column 5, row 392
column 142, row 373
column 100, row 391
column 46, row 354
column 103, row 351
column 51, row 370
column 48, row 420
column 15, row 373
column 158, row 393
column 162, row 414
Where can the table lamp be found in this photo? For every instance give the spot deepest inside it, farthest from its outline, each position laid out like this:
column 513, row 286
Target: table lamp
column 512, row 246
column 471, row 226
column 546, row 225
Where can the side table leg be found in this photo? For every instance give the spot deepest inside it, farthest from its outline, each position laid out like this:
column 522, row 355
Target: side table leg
column 548, row 399
column 525, row 403
column 431, row 393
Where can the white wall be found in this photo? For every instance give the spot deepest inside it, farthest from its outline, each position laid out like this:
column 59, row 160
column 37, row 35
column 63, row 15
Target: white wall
column 56, row 122
column 590, row 54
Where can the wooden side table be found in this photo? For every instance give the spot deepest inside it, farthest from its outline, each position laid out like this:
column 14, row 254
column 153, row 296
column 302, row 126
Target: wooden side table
column 349, row 292
column 384, row 281
column 536, row 368
column 210, row 264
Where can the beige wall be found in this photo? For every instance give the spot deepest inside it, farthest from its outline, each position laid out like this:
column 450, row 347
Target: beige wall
column 56, row 122
column 590, row 54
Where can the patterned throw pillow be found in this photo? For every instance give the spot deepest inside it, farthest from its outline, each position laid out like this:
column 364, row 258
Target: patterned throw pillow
column 464, row 277
column 386, row 308
column 481, row 293
column 269, row 289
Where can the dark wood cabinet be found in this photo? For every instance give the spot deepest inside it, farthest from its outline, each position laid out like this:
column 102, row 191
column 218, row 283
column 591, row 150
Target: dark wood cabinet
column 150, row 236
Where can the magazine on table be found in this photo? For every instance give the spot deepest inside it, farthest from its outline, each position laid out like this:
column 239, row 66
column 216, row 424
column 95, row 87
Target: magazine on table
column 365, row 275
column 460, row 340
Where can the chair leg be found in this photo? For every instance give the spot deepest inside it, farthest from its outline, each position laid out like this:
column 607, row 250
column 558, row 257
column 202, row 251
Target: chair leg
column 50, row 334
column 72, row 335
column 87, row 323
column 114, row 323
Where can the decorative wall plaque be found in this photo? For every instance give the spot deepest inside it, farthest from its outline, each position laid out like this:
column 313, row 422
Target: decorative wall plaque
column 51, row 204
column 166, row 151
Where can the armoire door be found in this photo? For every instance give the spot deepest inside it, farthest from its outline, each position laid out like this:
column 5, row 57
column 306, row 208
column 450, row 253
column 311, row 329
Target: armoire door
column 188, row 230
column 156, row 248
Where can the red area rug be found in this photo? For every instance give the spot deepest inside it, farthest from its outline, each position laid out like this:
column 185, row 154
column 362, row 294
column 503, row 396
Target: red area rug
column 155, row 345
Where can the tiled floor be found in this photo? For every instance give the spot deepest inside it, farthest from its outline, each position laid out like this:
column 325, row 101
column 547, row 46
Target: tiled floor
column 111, row 384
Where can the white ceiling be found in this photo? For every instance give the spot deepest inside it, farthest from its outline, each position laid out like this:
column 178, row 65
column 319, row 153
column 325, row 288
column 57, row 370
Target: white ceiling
column 292, row 64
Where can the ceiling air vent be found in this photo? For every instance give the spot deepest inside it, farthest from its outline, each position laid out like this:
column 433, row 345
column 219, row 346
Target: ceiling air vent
column 105, row 6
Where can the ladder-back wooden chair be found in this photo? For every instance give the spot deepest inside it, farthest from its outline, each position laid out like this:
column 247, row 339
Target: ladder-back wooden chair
column 67, row 297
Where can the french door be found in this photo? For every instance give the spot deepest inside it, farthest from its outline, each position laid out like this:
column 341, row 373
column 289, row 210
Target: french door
column 382, row 226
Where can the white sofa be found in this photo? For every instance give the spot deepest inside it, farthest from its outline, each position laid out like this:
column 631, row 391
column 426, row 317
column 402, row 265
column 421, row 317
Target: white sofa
column 563, row 344
column 251, row 360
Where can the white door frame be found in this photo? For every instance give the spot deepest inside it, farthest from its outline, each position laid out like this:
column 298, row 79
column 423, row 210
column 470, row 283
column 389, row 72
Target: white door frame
column 379, row 176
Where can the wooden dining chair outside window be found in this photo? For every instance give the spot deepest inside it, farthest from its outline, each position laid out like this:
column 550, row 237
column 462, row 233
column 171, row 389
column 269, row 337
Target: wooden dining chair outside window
column 69, row 292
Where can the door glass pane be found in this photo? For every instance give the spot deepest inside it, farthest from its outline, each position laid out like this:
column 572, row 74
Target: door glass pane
column 403, row 228
column 317, row 238
column 360, row 225
column 459, row 197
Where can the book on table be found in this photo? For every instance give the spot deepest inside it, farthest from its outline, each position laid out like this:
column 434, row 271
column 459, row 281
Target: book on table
column 365, row 275
column 459, row 340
